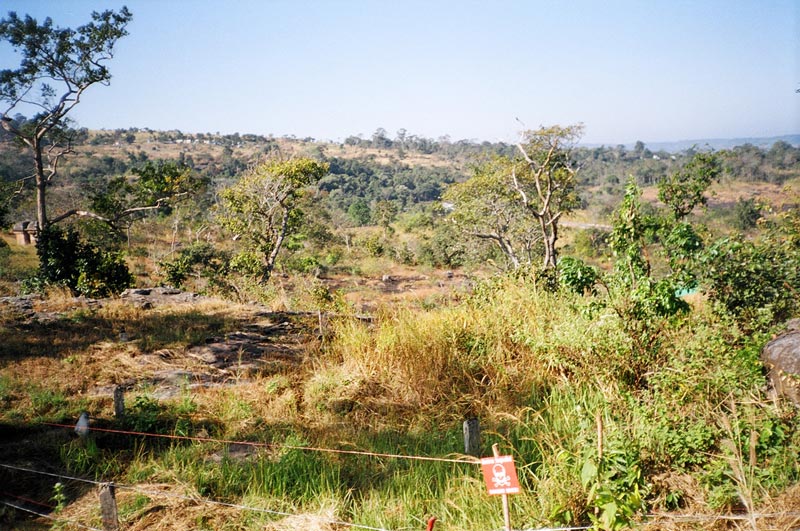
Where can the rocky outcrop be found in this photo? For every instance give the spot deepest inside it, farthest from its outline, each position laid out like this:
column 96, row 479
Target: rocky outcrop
column 781, row 356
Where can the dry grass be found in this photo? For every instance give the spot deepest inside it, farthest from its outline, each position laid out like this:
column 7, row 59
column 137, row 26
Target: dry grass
column 726, row 193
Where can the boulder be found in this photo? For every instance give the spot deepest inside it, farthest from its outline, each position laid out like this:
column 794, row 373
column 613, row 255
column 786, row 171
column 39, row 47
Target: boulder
column 781, row 356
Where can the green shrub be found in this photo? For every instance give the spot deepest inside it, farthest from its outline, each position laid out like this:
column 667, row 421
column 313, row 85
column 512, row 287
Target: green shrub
column 306, row 264
column 85, row 269
column 200, row 259
column 746, row 213
column 574, row 274
column 375, row 245
column 756, row 283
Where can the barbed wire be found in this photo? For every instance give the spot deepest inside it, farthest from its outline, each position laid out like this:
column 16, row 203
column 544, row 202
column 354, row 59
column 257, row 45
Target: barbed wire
column 464, row 460
column 28, row 500
column 189, row 498
column 51, row 474
column 244, row 507
column 41, row 515
column 195, row 499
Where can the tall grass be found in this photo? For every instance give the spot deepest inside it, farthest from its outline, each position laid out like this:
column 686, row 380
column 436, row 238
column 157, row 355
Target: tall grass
column 548, row 374
column 540, row 369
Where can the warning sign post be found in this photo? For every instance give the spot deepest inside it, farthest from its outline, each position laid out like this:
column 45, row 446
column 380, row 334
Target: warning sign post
column 501, row 479
column 500, row 475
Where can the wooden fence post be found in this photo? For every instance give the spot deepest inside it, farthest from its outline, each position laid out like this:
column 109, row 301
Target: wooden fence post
column 119, row 402
column 472, row 437
column 108, row 507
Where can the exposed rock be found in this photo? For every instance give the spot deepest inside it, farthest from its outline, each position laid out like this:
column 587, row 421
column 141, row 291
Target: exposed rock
column 234, row 452
column 146, row 298
column 781, row 356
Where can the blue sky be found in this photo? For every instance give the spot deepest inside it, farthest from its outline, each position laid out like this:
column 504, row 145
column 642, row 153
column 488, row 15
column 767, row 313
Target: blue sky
column 629, row 70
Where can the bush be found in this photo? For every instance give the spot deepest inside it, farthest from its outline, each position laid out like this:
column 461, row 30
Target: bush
column 80, row 266
column 746, row 214
column 375, row 245
column 756, row 283
column 574, row 274
column 199, row 259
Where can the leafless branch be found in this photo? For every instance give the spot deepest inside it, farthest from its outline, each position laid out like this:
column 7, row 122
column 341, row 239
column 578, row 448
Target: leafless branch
column 80, row 213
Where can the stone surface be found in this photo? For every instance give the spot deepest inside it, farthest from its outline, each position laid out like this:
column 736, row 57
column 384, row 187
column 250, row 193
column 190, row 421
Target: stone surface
column 781, row 356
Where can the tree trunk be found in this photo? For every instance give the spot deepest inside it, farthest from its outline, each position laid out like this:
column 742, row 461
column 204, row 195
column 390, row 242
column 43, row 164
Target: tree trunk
column 41, row 187
column 273, row 256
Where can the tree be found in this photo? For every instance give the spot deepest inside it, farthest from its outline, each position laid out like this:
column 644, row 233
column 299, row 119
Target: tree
column 685, row 189
column 547, row 185
column 746, row 213
column 262, row 208
column 486, row 207
column 58, row 65
column 384, row 214
column 517, row 203
column 359, row 212
column 152, row 187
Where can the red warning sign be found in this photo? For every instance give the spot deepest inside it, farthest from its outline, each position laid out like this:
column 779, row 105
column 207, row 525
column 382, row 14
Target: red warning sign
column 500, row 475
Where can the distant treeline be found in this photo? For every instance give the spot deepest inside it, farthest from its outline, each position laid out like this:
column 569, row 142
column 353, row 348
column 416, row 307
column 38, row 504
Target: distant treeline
column 360, row 177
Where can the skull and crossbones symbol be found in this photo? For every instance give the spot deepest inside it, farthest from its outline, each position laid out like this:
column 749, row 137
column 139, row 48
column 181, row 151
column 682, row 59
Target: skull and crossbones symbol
column 500, row 478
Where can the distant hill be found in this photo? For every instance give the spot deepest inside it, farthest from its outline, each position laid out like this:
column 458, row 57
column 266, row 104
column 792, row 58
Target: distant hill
column 714, row 143
column 723, row 143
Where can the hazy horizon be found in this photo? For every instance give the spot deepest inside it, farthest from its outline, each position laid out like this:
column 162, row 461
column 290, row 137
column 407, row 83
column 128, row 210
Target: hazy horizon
column 655, row 72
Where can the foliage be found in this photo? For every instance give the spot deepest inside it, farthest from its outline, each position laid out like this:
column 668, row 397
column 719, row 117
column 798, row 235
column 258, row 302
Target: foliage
column 635, row 232
column 746, row 213
column 384, row 214
column 757, row 283
column 153, row 188
column 642, row 302
column 632, row 230
column 364, row 182
column 443, row 248
column 517, row 203
column 200, row 259
column 359, row 212
column 590, row 243
column 80, row 266
column 375, row 245
column 60, row 497
column 685, row 189
column 58, row 65
column 6, row 195
column 577, row 275
column 485, row 207
column 262, row 207
column 5, row 253
column 144, row 415
column 616, row 487
column 547, row 185
column 537, row 367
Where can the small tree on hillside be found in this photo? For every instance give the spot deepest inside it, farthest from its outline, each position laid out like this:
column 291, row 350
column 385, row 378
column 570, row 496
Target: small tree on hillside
column 685, row 189
column 262, row 209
